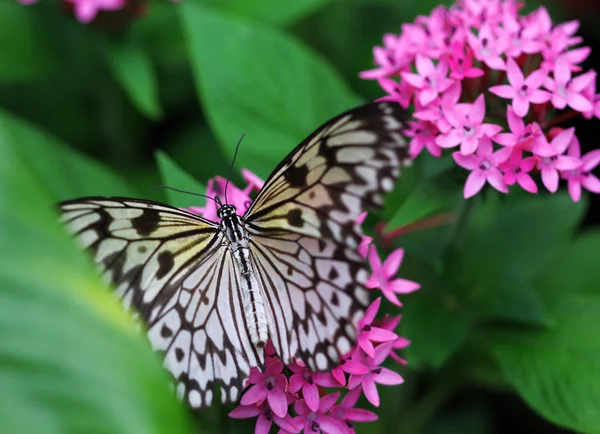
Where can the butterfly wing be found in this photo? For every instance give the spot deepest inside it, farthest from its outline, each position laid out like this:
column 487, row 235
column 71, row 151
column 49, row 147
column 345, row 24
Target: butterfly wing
column 170, row 266
column 304, row 232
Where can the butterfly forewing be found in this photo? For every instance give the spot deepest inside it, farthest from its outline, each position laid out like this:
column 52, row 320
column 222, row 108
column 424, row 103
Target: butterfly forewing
column 185, row 277
column 171, row 267
column 338, row 172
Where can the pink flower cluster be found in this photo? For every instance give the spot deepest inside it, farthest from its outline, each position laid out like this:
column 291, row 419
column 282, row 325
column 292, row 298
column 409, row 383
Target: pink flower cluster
column 292, row 396
column 86, row 10
column 477, row 68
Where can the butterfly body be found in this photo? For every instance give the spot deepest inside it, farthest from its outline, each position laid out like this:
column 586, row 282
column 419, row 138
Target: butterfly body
column 287, row 271
column 237, row 241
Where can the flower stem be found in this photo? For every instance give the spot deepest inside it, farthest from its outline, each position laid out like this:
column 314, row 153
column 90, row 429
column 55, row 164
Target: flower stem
column 563, row 117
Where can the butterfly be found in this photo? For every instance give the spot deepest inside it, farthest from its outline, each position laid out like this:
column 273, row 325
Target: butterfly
column 213, row 293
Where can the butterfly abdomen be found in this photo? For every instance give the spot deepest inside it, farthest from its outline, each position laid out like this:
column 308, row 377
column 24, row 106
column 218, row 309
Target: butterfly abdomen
column 254, row 307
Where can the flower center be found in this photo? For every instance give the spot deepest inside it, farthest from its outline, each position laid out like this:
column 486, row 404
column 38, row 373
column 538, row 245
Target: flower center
column 367, row 328
column 516, row 170
column 523, row 91
column 485, row 165
column 268, row 414
column 376, row 371
column 468, row 131
column 270, row 383
column 307, row 377
column 431, row 82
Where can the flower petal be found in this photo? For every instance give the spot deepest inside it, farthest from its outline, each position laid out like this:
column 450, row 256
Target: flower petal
column 475, row 182
column 392, row 262
column 277, row 401
column 388, row 377
column 310, row 393
column 263, row 424
column 370, row 391
column 256, row 393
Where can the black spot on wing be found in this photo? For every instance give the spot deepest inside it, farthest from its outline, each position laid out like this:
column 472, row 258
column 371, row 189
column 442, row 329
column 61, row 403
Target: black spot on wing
column 294, row 218
column 146, row 223
column 165, row 264
column 296, row 176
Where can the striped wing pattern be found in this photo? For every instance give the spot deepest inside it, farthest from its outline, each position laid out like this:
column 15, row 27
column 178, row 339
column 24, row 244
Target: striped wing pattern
column 304, row 232
column 171, row 268
column 175, row 270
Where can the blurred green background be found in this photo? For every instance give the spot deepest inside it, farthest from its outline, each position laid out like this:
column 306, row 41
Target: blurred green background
column 506, row 328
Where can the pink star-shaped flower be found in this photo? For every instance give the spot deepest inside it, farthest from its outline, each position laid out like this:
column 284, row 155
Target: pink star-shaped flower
column 460, row 61
column 516, row 170
column 307, row 381
column 86, row 10
column 271, row 385
column 265, row 419
column 567, row 91
column 216, row 187
column 317, row 421
column 526, row 137
column 390, row 323
column 430, row 79
column 434, row 112
column 254, row 182
column 467, row 125
column 484, row 167
column 348, row 366
column 378, row 374
column 383, row 276
column 423, row 135
column 365, row 241
column 488, row 47
column 401, row 92
column 522, row 90
column 551, row 159
column 345, row 412
column 582, row 176
column 386, row 58
column 367, row 333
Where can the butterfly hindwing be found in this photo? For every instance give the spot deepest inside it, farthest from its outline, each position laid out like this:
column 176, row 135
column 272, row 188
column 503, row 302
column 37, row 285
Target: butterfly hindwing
column 171, row 267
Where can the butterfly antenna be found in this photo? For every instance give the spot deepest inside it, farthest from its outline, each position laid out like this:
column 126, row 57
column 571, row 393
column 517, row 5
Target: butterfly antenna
column 156, row 187
column 237, row 146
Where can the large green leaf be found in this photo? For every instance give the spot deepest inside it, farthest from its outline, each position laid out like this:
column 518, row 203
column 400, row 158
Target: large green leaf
column 256, row 80
column 271, row 11
column 25, row 54
column 174, row 176
column 133, row 69
column 557, row 371
column 436, row 325
column 65, row 172
column 70, row 358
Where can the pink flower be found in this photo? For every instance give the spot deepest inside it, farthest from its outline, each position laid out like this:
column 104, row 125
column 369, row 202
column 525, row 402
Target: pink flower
column 271, row 385
column 346, row 413
column 522, row 90
column 216, row 188
column 551, row 160
column 319, row 420
column 265, row 418
column 86, row 10
column 525, row 137
column 307, row 381
column 348, row 366
column 399, row 92
column 368, row 333
column 378, row 374
column 516, row 170
column 488, row 47
column 383, row 276
column 254, row 182
column 423, row 136
column 430, row 80
column 582, row 176
column 390, row 323
column 467, row 126
column 388, row 63
column 434, row 112
column 460, row 61
column 484, row 167
column 567, row 91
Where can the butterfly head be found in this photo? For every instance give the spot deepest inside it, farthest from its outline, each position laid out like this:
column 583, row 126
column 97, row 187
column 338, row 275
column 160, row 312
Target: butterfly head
column 226, row 211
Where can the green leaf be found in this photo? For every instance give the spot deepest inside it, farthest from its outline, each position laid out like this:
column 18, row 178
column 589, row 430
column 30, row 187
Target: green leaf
column 270, row 11
column 517, row 237
column 253, row 79
column 174, row 176
column 71, row 360
column 436, row 326
column 64, row 172
column 25, row 54
column 558, row 371
column 574, row 269
column 430, row 197
column 133, row 69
